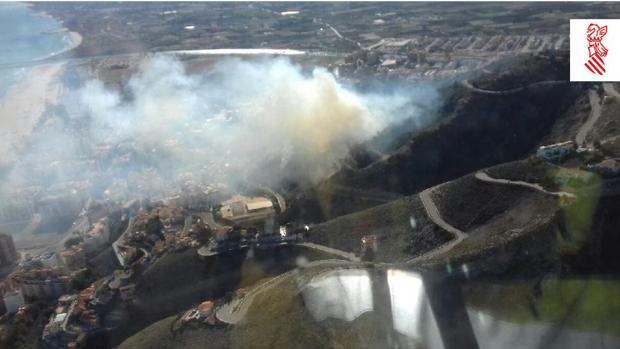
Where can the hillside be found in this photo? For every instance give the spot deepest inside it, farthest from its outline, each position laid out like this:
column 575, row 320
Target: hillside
column 181, row 279
column 402, row 228
column 509, row 228
column 284, row 317
column 474, row 130
column 160, row 336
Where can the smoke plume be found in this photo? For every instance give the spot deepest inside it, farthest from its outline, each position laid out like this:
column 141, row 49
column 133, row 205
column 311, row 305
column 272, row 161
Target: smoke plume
column 260, row 121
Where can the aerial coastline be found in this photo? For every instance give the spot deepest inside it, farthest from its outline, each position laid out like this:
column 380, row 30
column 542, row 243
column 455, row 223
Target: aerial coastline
column 24, row 102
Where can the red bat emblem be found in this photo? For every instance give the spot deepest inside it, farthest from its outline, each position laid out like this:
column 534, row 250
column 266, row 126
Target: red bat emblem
column 597, row 51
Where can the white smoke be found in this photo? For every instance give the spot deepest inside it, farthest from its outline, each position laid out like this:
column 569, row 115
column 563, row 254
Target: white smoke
column 260, row 121
column 247, row 114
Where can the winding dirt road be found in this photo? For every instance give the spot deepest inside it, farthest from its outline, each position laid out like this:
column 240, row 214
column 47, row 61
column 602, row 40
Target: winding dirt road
column 595, row 113
column 433, row 214
column 483, row 176
column 467, row 84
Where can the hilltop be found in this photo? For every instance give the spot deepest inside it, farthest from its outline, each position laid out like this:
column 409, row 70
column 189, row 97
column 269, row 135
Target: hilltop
column 475, row 128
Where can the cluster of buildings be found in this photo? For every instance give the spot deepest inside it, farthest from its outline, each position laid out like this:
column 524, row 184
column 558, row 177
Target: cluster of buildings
column 99, row 225
column 42, row 283
column 153, row 232
column 248, row 222
column 88, row 244
column 72, row 320
column 606, row 168
column 78, row 316
column 428, row 57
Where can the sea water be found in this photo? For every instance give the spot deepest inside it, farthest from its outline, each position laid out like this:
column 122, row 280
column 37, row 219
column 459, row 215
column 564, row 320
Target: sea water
column 25, row 36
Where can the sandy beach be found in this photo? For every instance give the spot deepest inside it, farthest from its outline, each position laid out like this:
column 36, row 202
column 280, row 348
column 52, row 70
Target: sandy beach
column 25, row 102
column 75, row 40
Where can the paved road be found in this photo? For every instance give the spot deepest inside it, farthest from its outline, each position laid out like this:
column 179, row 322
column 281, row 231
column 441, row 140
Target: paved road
column 347, row 255
column 595, row 113
column 483, row 176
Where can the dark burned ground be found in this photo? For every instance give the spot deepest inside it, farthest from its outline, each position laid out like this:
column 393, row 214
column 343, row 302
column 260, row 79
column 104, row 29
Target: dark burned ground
column 516, row 238
column 510, row 229
column 333, row 200
column 391, row 223
column 468, row 202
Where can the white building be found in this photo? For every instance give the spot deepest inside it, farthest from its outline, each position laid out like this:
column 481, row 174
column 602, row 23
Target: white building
column 241, row 209
column 12, row 301
column 555, row 151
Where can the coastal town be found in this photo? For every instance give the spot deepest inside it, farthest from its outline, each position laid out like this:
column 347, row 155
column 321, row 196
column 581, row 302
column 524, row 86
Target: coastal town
column 306, row 175
column 77, row 287
column 119, row 243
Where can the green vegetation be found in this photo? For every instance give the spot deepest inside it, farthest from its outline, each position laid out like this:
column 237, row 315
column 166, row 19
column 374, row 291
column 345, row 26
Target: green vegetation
column 586, row 305
column 577, row 215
